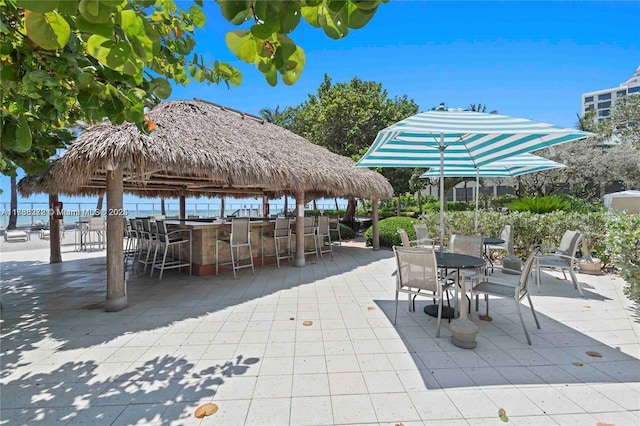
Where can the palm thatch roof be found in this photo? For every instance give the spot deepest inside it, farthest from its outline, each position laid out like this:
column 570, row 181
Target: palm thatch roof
column 202, row 149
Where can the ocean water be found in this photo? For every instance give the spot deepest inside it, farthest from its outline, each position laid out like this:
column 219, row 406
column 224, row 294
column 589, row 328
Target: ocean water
column 29, row 213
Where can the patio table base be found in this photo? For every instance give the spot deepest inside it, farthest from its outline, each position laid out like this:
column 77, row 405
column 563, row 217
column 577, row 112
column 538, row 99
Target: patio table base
column 447, row 312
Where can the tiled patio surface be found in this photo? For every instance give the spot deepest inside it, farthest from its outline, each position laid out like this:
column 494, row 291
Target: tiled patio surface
column 242, row 344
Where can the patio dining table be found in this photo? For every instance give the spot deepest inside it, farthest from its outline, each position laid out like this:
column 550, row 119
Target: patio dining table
column 446, row 261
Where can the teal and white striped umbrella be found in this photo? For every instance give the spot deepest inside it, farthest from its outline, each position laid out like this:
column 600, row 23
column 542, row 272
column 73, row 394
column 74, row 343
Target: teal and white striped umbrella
column 468, row 138
column 453, row 137
column 509, row 167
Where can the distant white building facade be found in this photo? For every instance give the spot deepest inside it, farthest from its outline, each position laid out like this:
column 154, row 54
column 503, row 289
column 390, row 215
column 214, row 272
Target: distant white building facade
column 603, row 100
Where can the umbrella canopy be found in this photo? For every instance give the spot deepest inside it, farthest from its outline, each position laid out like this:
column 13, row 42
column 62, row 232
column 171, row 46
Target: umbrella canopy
column 460, row 138
column 625, row 200
column 203, row 149
column 509, row 167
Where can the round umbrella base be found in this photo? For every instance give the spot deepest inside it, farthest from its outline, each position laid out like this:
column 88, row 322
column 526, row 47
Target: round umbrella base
column 447, row 312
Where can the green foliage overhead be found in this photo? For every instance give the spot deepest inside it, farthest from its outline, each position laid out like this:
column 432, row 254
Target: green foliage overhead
column 389, row 231
column 69, row 61
column 539, row 204
column 265, row 41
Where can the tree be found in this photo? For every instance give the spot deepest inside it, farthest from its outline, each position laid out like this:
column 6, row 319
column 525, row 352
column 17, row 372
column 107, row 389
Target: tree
column 481, row 108
column 592, row 167
column 346, row 117
column 275, row 116
column 86, row 60
column 624, row 121
column 13, row 212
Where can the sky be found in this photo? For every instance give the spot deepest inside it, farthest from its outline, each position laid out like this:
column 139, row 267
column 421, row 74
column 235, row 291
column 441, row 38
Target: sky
column 524, row 59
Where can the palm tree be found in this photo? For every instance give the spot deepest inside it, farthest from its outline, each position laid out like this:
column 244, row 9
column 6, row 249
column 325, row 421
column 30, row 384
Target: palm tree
column 481, row 108
column 13, row 212
column 586, row 122
column 274, row 116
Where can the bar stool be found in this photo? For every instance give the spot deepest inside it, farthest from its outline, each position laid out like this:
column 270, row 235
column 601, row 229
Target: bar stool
column 334, row 225
column 82, row 228
column 322, row 233
column 310, row 231
column 169, row 239
column 281, row 232
column 131, row 234
column 147, row 239
column 240, row 236
column 96, row 230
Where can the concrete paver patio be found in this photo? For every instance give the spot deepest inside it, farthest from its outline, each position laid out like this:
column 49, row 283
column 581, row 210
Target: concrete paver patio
column 242, row 344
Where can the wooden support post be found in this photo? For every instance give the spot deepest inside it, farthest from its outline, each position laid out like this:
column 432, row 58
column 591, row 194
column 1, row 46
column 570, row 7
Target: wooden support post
column 299, row 259
column 375, row 224
column 116, row 284
column 55, row 255
column 183, row 205
column 265, row 207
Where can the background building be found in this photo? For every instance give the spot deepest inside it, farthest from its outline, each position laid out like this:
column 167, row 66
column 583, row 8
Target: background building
column 603, row 100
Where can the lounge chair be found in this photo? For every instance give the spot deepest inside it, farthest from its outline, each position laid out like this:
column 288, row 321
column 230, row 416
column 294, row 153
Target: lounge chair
column 16, row 235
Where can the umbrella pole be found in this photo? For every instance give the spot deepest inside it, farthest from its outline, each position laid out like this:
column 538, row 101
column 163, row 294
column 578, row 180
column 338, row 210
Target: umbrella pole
column 477, row 191
column 442, row 200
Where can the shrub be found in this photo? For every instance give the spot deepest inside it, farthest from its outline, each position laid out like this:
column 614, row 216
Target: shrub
column 326, row 212
column 496, row 201
column 346, row 233
column 539, row 204
column 623, row 246
column 389, row 231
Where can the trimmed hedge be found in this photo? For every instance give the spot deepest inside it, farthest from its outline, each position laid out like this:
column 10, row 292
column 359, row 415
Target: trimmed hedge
column 346, row 233
column 389, row 231
column 623, row 246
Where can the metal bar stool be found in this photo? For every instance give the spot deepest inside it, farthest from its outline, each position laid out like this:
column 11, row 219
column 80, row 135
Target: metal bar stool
column 170, row 239
column 240, row 236
column 281, row 233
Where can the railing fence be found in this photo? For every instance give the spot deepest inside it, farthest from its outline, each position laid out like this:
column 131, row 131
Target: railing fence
column 29, row 213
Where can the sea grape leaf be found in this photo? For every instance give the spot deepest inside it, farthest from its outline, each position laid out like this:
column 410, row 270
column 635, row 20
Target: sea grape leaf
column 242, row 44
column 48, row 30
column 162, row 88
column 197, row 16
column 41, row 6
column 235, row 11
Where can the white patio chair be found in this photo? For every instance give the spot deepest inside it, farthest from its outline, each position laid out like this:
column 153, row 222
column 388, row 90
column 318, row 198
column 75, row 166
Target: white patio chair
column 422, row 236
column 404, row 237
column 506, row 234
column 490, row 286
column 417, row 275
column 471, row 245
column 562, row 258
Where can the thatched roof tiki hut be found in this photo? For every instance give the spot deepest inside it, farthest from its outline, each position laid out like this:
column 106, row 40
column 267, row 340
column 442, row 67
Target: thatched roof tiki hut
column 200, row 149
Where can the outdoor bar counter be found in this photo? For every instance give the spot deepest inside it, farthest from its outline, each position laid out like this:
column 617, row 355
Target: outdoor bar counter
column 203, row 240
